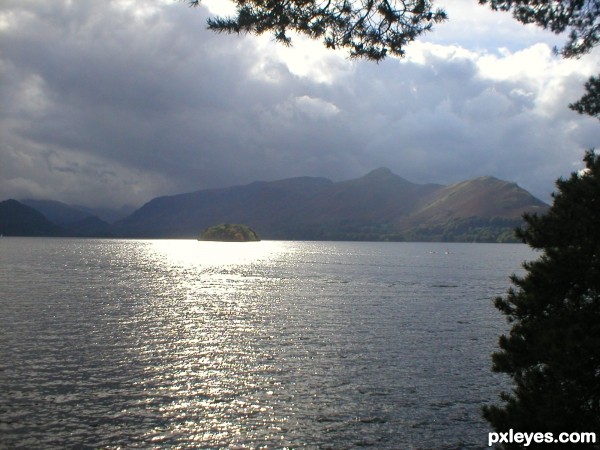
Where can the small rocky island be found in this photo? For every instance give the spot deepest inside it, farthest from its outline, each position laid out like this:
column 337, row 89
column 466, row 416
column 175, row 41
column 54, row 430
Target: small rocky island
column 229, row 232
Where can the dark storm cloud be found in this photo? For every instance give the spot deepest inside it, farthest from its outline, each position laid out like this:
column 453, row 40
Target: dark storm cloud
column 106, row 103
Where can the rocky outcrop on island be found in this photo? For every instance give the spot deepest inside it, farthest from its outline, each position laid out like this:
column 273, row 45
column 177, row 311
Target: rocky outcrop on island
column 228, row 232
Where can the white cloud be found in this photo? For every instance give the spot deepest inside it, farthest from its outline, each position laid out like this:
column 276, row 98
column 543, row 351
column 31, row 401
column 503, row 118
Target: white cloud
column 423, row 52
column 542, row 75
column 220, row 7
column 305, row 58
column 478, row 28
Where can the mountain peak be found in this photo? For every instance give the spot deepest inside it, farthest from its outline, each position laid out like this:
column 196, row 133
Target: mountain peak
column 382, row 172
column 383, row 176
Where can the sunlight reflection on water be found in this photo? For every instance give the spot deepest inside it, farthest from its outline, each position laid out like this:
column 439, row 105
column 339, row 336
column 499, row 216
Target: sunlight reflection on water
column 184, row 344
column 219, row 371
column 185, row 253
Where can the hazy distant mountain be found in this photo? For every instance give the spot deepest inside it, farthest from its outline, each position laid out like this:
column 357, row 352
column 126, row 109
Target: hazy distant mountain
column 57, row 212
column 17, row 219
column 72, row 220
column 91, row 226
column 63, row 214
column 378, row 206
column 109, row 215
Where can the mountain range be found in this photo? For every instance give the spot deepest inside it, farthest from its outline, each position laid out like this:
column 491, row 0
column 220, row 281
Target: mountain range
column 378, row 206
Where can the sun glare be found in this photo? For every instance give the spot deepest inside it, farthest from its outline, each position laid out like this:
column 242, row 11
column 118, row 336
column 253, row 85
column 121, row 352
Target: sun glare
column 201, row 253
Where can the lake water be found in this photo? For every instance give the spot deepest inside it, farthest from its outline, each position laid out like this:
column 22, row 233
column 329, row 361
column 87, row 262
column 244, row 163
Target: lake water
column 185, row 344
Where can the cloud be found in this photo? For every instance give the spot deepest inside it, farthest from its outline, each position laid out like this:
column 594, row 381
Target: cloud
column 111, row 103
column 480, row 29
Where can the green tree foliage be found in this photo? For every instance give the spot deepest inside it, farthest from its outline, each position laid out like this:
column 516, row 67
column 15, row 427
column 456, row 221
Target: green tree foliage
column 367, row 28
column 229, row 232
column 552, row 351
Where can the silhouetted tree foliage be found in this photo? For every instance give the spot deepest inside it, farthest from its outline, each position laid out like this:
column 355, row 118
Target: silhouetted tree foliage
column 372, row 28
column 552, row 352
column 590, row 102
column 367, row 28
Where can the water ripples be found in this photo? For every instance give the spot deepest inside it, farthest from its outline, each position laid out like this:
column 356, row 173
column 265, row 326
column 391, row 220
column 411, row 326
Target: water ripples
column 179, row 344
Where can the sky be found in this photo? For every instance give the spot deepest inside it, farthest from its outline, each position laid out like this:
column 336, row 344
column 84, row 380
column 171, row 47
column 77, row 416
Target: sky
column 109, row 103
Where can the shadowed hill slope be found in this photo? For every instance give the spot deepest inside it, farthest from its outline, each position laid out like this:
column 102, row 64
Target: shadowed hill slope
column 17, row 219
column 261, row 205
column 377, row 206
